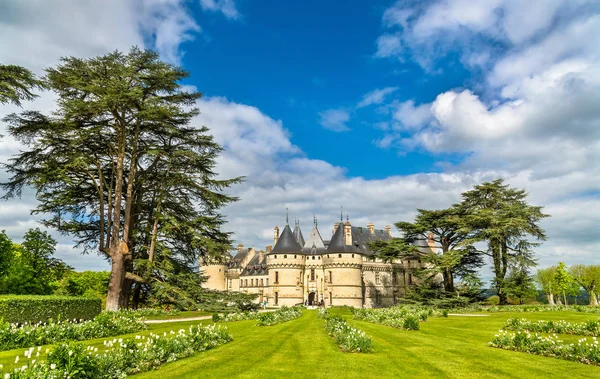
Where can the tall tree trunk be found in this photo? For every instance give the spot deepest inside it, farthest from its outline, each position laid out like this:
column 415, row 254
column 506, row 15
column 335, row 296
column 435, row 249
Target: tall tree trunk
column 550, row 299
column 448, row 280
column 593, row 299
column 565, row 297
column 117, row 273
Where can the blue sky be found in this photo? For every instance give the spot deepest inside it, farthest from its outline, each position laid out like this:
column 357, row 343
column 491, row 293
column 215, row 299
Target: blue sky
column 293, row 62
column 380, row 107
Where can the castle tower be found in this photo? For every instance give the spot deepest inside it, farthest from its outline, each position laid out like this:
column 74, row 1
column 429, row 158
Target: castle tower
column 285, row 264
column 215, row 275
column 342, row 263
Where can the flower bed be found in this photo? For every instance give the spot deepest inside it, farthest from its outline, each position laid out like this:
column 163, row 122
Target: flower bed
column 583, row 351
column 234, row 316
column 104, row 325
column 349, row 339
column 588, row 328
column 401, row 317
column 148, row 312
column 543, row 308
column 283, row 314
column 122, row 357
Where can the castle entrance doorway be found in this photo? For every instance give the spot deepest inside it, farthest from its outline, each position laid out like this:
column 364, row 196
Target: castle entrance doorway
column 311, row 298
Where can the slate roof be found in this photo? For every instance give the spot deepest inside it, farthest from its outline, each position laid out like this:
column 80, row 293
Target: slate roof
column 361, row 237
column 237, row 259
column 256, row 266
column 314, row 244
column 287, row 243
column 298, row 234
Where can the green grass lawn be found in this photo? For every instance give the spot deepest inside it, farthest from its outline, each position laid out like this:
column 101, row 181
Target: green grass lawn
column 454, row 347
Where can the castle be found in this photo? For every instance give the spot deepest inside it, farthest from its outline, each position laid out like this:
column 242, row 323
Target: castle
column 339, row 271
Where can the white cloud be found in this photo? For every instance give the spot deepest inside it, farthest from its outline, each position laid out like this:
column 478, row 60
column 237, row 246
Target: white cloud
column 412, row 117
column 376, row 96
column 168, row 24
column 335, row 120
column 227, row 7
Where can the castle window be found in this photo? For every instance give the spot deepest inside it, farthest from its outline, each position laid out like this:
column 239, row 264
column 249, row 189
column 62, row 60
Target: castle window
column 251, row 282
column 276, row 298
column 261, row 283
column 276, row 277
column 339, row 255
column 377, row 297
column 219, row 270
column 330, row 298
column 313, row 257
column 410, row 279
column 294, row 257
column 377, row 279
column 285, row 256
column 330, row 277
column 352, row 255
column 327, row 255
column 319, row 257
column 267, row 282
column 275, row 256
column 312, row 274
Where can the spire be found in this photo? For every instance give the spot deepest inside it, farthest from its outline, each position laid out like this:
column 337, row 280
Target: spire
column 315, row 220
column 341, row 214
column 287, row 219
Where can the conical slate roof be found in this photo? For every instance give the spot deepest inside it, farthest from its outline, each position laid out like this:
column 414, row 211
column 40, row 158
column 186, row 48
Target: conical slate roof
column 298, row 234
column 287, row 243
column 338, row 242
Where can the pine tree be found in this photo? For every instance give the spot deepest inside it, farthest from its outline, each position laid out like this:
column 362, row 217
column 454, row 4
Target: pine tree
column 118, row 167
column 17, row 84
column 501, row 217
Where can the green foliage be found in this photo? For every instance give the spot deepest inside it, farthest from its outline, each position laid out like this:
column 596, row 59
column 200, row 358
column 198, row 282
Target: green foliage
column 402, row 317
column 588, row 277
column 411, row 322
column 519, row 286
column 17, row 84
column 32, row 270
column 117, row 166
column 587, row 328
column 493, row 300
column 34, row 309
column 283, row 314
column 85, row 283
column 501, row 217
column 349, row 339
column 106, row 324
column 122, row 357
column 583, row 351
column 545, row 280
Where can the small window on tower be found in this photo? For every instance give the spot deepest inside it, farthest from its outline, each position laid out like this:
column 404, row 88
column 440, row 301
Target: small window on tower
column 312, row 274
column 377, row 279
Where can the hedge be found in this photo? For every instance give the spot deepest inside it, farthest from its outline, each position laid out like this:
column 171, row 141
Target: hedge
column 33, row 309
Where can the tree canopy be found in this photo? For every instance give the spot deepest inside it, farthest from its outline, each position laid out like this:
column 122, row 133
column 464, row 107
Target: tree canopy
column 118, row 167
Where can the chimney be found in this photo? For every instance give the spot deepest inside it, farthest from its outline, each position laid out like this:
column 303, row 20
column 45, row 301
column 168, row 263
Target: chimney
column 240, row 247
column 275, row 235
column 388, row 230
column 371, row 228
column 348, row 233
column 335, row 226
column 269, row 248
column 261, row 256
column 430, row 240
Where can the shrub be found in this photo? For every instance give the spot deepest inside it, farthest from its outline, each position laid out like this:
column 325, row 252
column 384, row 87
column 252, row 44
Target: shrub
column 493, row 300
column 35, row 309
column 411, row 322
column 587, row 328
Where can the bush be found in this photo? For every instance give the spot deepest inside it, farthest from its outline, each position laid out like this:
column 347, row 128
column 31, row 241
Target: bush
column 411, row 322
column 493, row 300
column 35, row 309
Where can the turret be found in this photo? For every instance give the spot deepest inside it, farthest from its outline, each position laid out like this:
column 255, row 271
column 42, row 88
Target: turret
column 285, row 263
column 275, row 235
